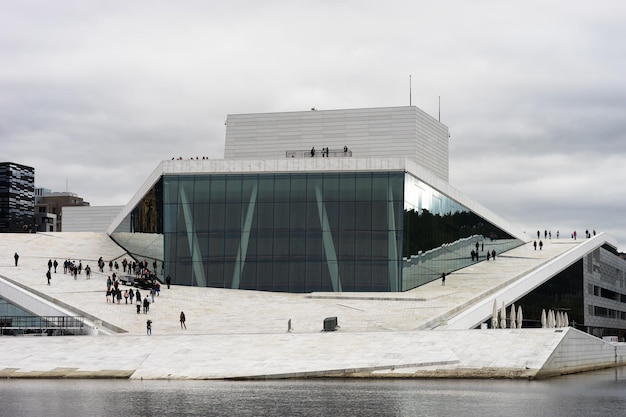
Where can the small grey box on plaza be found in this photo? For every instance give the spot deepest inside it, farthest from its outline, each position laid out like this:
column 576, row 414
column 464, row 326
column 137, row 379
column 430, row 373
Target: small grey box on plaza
column 330, row 324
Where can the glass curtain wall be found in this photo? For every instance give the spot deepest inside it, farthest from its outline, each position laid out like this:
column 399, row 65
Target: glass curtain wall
column 441, row 235
column 141, row 233
column 285, row 232
column 563, row 292
column 304, row 232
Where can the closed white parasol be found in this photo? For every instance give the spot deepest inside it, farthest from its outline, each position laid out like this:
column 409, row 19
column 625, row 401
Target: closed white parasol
column 513, row 316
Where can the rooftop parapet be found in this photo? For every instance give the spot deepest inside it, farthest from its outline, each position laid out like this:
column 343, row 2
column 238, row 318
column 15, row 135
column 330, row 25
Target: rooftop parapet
column 319, row 153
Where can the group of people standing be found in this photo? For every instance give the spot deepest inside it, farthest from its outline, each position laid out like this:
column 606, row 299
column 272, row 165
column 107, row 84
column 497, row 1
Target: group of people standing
column 325, row 152
column 69, row 266
column 547, row 234
column 132, row 267
column 114, row 292
column 475, row 254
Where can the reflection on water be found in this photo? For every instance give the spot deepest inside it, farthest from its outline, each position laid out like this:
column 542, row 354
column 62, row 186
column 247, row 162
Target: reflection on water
column 591, row 394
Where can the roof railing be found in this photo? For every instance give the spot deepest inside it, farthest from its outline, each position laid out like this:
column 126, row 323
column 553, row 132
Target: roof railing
column 319, row 153
column 40, row 325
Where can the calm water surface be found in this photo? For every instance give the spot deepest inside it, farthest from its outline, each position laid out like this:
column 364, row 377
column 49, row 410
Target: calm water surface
column 591, row 394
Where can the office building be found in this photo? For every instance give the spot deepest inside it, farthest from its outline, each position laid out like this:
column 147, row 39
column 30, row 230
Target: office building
column 17, row 198
column 49, row 206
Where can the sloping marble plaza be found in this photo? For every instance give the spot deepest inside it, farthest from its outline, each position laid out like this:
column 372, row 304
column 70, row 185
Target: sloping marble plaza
column 243, row 334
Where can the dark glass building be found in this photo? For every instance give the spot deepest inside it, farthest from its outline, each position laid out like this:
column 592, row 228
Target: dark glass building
column 307, row 231
column 369, row 210
column 17, row 197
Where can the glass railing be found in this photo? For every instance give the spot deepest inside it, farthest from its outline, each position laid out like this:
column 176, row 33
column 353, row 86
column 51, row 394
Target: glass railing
column 41, row 325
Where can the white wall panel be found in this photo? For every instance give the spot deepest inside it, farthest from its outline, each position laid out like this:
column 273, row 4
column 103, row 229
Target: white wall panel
column 89, row 218
column 405, row 132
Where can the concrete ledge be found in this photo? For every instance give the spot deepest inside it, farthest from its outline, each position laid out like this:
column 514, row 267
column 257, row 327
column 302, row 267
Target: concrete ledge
column 501, row 353
column 58, row 373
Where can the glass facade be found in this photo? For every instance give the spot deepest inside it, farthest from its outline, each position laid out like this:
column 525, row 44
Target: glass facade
column 563, row 292
column 285, row 232
column 7, row 308
column 440, row 235
column 305, row 232
column 17, row 197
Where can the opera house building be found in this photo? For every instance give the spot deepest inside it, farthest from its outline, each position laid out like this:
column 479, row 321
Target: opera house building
column 324, row 244
column 342, row 201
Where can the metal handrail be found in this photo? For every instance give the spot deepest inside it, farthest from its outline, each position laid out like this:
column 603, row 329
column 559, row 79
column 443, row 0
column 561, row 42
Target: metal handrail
column 331, row 153
column 38, row 325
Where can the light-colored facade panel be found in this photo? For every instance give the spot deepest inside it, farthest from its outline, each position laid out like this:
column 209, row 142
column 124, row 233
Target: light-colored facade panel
column 405, row 132
column 88, row 218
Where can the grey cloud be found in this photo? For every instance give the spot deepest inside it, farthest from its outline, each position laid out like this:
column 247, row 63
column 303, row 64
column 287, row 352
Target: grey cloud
column 97, row 93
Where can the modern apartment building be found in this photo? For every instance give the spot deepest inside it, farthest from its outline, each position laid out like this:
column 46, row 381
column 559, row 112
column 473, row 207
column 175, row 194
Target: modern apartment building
column 17, row 197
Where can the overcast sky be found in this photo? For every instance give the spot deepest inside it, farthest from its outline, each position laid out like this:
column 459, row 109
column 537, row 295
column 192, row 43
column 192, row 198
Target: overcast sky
column 94, row 94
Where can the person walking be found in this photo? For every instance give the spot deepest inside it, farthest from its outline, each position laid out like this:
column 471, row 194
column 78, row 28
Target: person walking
column 149, row 327
column 49, row 276
column 443, row 279
column 182, row 321
column 55, row 264
column 168, row 280
column 17, row 257
column 138, row 303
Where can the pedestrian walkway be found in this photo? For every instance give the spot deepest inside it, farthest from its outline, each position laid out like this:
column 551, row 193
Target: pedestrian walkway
column 238, row 333
column 212, row 310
